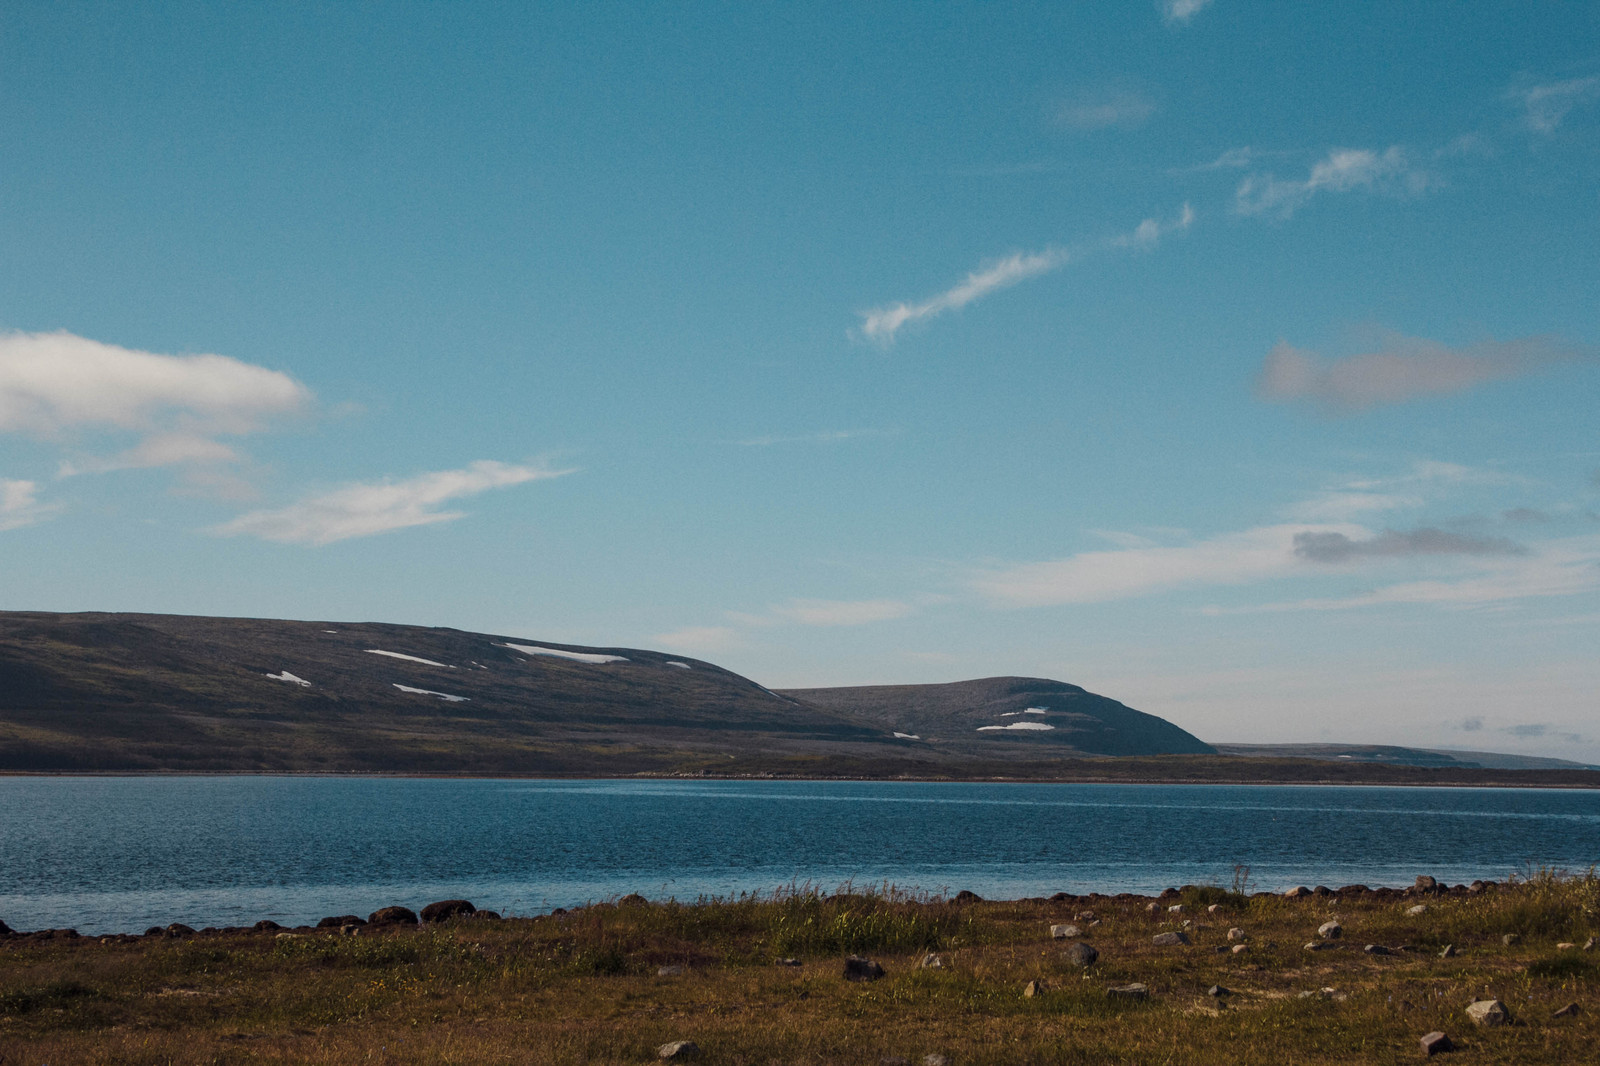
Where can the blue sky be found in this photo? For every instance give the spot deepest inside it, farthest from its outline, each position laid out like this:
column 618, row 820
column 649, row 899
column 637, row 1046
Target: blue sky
column 1237, row 360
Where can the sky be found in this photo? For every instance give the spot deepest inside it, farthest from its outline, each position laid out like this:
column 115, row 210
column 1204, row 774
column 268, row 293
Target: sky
column 1237, row 360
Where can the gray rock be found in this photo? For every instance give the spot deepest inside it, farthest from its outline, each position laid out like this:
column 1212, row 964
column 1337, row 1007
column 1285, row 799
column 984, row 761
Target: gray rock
column 678, row 1049
column 1330, row 930
column 1297, row 893
column 894, row 1060
column 1065, row 932
column 1240, row 949
column 1375, row 949
column 1152, row 908
column 788, row 962
column 857, row 968
column 931, row 962
column 1170, row 940
column 1134, row 991
column 1084, row 916
column 1435, row 1042
column 1176, row 908
column 1236, row 934
column 1033, row 988
column 1080, row 954
column 1566, row 946
column 1217, row 991
column 1589, row 944
column 1316, row 945
column 933, row 1058
column 1511, row 940
column 1490, row 1012
column 1569, row 1011
column 1425, row 884
column 446, row 909
column 1416, row 912
column 669, row 971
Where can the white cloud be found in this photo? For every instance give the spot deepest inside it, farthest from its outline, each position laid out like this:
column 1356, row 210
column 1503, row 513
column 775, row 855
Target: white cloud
column 1404, row 368
column 20, row 506
column 1102, row 110
column 1544, row 107
column 881, row 324
column 58, row 385
column 367, row 509
column 706, row 639
column 1182, row 10
column 1101, row 576
column 1343, row 170
column 841, row 612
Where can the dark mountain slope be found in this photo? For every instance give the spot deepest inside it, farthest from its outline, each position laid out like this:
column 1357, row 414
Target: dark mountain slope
column 106, row 691
column 1008, row 715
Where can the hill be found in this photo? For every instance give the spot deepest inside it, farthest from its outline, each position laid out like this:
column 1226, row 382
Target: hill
column 107, row 692
column 1021, row 715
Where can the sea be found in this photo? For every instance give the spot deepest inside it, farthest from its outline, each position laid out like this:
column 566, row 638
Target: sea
column 121, row 854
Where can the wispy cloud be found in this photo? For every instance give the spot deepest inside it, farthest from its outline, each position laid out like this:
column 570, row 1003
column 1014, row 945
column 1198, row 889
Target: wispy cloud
column 20, row 506
column 1181, row 11
column 1545, row 107
column 59, row 387
column 883, row 323
column 841, row 612
column 702, row 639
column 1330, row 547
column 367, row 509
column 1105, row 109
column 1343, row 170
column 832, row 436
column 1405, row 368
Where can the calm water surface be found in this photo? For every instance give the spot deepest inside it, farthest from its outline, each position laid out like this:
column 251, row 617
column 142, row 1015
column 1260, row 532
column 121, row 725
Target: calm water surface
column 120, row 854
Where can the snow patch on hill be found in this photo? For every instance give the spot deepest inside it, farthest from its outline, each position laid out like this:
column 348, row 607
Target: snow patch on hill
column 576, row 656
column 430, row 692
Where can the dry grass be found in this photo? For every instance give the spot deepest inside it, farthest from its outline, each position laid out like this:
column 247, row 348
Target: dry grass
column 584, row 986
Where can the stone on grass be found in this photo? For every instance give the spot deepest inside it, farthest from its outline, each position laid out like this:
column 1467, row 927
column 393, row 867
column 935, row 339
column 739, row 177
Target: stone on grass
column 1170, row 940
column 790, row 962
column 1080, row 954
column 1033, row 988
column 1065, row 932
column 1569, row 1011
column 393, row 916
column 1490, row 1012
column 1316, row 945
column 968, row 896
column 1152, row 908
column 1236, row 933
column 1330, row 930
column 1449, row 952
column 177, row 929
column 1564, row 946
column 1084, row 916
column 446, row 909
column 1511, row 940
column 1176, row 908
column 678, row 1049
column 857, row 968
column 1134, row 991
column 933, row 1058
column 1435, row 1042
column 931, row 962
column 1589, row 944
column 1416, row 912
column 633, row 899
column 1297, row 892
column 1217, row 991
column 1240, row 949
column 669, row 971
column 1376, row 949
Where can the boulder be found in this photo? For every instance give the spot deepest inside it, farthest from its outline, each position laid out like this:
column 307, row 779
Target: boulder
column 155, row 930
column 1064, row 932
column 931, row 961
column 340, row 921
column 1569, row 1011
column 678, row 1049
column 487, row 916
column 1435, row 1042
column 1080, row 954
column 1152, row 908
column 446, row 909
column 1375, row 949
column 1217, row 991
column 175, row 929
column 1133, row 991
column 266, row 925
column 632, row 899
column 1084, row 916
column 1490, row 1012
column 393, row 916
column 1176, row 908
column 1330, row 930
column 1240, row 949
column 857, row 968
column 965, row 896
column 1236, row 933
column 1425, row 883
column 1565, row 946
column 1170, row 940
column 933, row 1058
column 1297, row 892
column 1033, row 988
column 5, row 930
column 669, row 971
column 1588, row 945
column 1316, row 945
column 1416, row 912
column 1511, row 940
column 1214, row 908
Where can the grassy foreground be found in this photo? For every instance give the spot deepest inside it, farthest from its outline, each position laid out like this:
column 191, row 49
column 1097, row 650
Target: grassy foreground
column 590, row 985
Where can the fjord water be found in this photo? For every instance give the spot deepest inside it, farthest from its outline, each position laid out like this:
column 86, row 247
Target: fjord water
column 106, row 854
